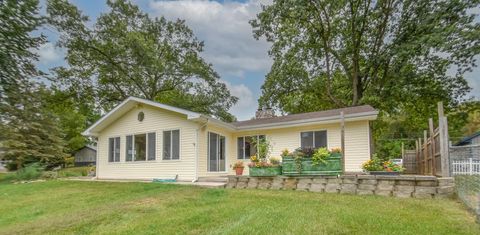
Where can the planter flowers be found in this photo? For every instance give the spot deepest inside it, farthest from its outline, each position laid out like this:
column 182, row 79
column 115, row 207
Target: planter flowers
column 261, row 164
column 238, row 167
column 376, row 166
column 311, row 161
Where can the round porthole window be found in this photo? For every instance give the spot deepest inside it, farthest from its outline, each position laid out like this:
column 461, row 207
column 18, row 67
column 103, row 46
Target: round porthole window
column 141, row 116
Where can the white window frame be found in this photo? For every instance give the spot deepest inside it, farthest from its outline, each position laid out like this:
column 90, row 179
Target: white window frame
column 120, row 150
column 300, row 137
column 243, row 138
column 208, row 153
column 146, row 147
column 171, row 145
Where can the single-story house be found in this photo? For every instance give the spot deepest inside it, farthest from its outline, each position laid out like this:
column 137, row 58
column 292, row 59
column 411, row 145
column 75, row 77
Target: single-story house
column 143, row 139
column 85, row 156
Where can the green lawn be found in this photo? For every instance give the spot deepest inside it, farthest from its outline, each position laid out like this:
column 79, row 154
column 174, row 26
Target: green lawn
column 66, row 207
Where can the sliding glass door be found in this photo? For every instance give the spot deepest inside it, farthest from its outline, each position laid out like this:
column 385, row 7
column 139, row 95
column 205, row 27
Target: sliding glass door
column 216, row 152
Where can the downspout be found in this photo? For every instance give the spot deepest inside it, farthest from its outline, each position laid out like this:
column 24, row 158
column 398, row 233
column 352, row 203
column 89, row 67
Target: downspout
column 196, row 150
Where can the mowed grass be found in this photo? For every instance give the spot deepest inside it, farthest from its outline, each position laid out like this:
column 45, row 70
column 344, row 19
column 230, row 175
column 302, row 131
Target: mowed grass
column 72, row 207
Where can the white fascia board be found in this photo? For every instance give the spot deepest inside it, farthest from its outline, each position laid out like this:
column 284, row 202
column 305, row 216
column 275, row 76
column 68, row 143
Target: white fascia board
column 324, row 120
column 190, row 114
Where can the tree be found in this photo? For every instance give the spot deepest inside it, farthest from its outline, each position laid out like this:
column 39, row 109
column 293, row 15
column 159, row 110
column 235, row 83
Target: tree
column 30, row 134
column 74, row 114
column 353, row 52
column 127, row 53
column 392, row 54
column 27, row 133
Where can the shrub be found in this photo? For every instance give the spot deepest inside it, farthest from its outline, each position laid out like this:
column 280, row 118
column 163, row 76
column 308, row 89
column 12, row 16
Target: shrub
column 320, row 155
column 49, row 175
column 275, row 161
column 29, row 172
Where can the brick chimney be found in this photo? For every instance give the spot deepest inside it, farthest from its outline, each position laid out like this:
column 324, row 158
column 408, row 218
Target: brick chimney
column 264, row 112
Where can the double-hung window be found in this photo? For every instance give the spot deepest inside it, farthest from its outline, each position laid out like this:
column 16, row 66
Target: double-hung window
column 114, row 149
column 313, row 139
column 141, row 147
column 246, row 146
column 171, row 145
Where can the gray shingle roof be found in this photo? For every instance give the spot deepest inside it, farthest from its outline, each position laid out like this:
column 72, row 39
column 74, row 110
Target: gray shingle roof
column 306, row 116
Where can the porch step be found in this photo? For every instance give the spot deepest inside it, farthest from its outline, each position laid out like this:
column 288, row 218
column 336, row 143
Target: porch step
column 222, row 179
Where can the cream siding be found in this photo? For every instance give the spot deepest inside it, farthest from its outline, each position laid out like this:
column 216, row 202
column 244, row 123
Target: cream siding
column 357, row 145
column 156, row 120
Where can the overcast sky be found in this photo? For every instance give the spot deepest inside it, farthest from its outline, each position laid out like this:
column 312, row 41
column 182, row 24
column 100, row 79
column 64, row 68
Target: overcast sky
column 241, row 61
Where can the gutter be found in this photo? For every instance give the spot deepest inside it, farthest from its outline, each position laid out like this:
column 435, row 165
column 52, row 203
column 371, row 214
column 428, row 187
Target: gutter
column 360, row 116
column 195, row 179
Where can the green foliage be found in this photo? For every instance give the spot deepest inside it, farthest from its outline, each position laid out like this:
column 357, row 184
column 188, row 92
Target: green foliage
column 128, row 53
column 393, row 55
column 263, row 148
column 82, row 205
column 320, row 156
column 50, row 175
column 74, row 171
column 28, row 132
column 374, row 164
column 29, row 172
column 390, row 149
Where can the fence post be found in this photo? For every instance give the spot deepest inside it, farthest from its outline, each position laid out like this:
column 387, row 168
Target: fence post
column 342, row 139
column 443, row 141
column 470, row 165
column 432, row 146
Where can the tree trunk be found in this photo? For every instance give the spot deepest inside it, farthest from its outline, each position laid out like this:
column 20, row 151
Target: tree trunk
column 357, row 90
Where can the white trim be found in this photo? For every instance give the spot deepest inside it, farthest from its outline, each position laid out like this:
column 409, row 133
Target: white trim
column 119, row 151
column 371, row 115
column 218, row 157
column 190, row 114
column 315, row 130
column 352, row 117
column 171, row 145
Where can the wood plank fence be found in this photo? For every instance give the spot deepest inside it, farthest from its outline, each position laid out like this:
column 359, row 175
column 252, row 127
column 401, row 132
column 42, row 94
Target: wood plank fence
column 431, row 151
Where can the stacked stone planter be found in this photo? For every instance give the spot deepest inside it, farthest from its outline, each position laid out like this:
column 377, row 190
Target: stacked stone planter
column 395, row 186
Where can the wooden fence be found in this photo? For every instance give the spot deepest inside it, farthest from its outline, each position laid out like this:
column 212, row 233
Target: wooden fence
column 431, row 152
column 409, row 161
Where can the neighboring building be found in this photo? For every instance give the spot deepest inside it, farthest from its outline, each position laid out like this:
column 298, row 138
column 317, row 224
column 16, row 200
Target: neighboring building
column 142, row 139
column 469, row 140
column 85, row 156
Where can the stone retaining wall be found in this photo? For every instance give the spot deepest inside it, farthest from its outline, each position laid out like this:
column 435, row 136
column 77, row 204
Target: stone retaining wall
column 398, row 186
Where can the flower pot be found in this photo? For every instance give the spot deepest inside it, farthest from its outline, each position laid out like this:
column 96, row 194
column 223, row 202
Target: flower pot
column 265, row 171
column 239, row 170
column 332, row 166
column 384, row 172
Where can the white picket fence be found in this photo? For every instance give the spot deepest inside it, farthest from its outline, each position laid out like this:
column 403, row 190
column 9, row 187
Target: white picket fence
column 468, row 166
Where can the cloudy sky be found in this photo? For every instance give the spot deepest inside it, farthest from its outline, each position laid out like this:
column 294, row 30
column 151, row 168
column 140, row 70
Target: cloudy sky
column 241, row 61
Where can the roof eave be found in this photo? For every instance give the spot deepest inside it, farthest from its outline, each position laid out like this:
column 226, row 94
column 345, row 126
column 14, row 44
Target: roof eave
column 372, row 115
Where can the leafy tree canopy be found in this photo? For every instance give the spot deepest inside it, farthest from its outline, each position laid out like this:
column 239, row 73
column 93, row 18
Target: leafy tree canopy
column 28, row 133
column 127, row 53
column 338, row 53
column 392, row 54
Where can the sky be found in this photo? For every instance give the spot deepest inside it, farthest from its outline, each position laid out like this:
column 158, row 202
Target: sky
column 241, row 61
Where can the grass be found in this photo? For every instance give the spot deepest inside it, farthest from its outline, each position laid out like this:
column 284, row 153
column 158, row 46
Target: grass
column 74, row 171
column 66, row 207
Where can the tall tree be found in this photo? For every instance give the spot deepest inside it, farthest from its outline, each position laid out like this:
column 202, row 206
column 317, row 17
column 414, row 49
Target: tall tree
column 127, row 53
column 393, row 54
column 27, row 132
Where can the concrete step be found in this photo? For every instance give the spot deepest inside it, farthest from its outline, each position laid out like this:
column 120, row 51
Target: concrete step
column 222, row 179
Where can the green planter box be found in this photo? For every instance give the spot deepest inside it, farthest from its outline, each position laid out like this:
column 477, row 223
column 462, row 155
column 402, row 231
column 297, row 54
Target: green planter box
column 265, row 171
column 332, row 167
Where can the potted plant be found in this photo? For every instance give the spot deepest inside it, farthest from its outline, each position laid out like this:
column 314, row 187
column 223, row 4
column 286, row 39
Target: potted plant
column 375, row 166
column 311, row 161
column 262, row 164
column 238, row 167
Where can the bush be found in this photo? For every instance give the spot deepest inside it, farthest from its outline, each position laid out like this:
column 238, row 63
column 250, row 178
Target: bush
column 74, row 171
column 29, row 172
column 49, row 175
